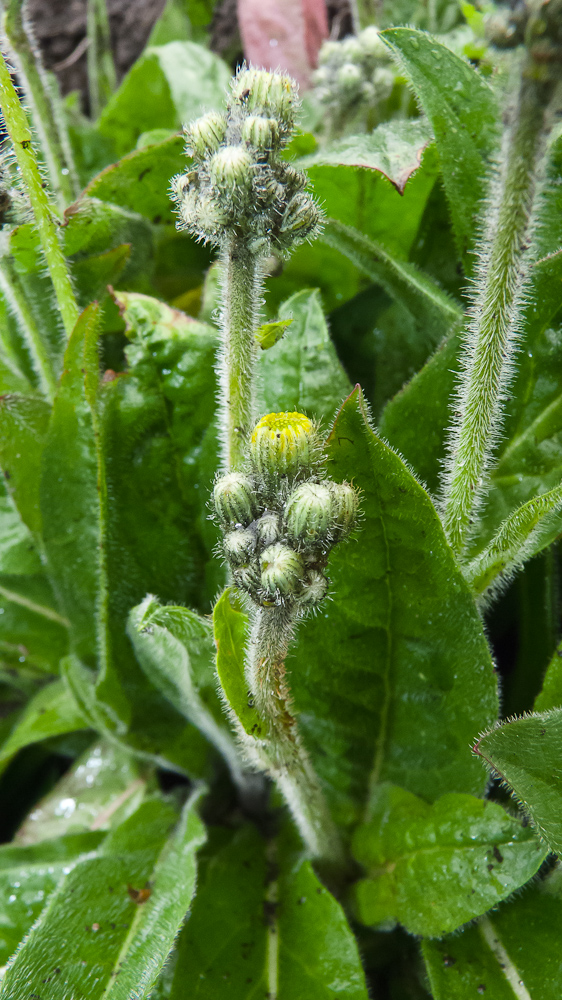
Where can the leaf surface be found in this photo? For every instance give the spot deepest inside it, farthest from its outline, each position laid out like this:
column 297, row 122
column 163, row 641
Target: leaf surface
column 264, row 923
column 231, row 633
column 433, row 868
column 51, row 712
column 526, row 754
column 393, row 677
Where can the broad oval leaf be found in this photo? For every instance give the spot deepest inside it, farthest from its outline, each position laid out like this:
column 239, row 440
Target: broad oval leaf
column 434, row 868
column 392, row 678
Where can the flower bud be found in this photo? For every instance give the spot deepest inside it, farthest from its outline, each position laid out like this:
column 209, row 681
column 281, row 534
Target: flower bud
column 269, row 94
column 206, row 134
column 308, row 515
column 231, row 169
column 314, row 588
column 247, row 578
column 234, row 499
column 283, row 444
column 344, row 509
column 268, row 528
column 352, row 49
column 205, row 214
column 262, row 133
column 371, row 42
column 301, row 217
column 349, row 76
column 383, row 82
column 281, row 570
column 239, row 546
column 328, row 51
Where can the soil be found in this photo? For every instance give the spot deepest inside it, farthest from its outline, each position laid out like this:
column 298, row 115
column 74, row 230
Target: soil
column 60, row 29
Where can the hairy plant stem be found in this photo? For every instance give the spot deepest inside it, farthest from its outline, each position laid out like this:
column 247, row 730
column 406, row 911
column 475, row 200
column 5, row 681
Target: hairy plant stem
column 101, row 68
column 18, row 305
column 241, row 282
column 490, row 341
column 42, row 101
column 45, row 219
column 286, row 758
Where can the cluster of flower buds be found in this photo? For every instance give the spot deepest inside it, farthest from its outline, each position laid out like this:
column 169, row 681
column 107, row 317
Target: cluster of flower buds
column 239, row 184
column 356, row 71
column 282, row 516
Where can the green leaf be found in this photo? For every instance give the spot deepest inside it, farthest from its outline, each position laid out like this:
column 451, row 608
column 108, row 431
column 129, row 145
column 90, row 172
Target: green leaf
column 511, row 954
column 164, row 652
column 433, row 868
column 95, row 912
column 462, row 110
column 263, row 923
column 410, row 677
column 70, row 490
column 23, row 426
column 104, row 242
column 550, row 695
column 28, row 876
column 526, row 754
column 51, row 712
column 367, row 201
column 103, row 787
column 394, row 149
column 423, row 298
column 270, row 333
column 18, row 554
column 230, row 629
column 179, row 81
column 140, row 181
column 303, row 371
column 32, row 631
column 518, row 538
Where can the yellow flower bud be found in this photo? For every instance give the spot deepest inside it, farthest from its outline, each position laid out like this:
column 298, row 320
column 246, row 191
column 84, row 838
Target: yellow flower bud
column 283, row 444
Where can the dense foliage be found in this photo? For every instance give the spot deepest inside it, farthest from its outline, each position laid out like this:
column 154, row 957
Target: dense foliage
column 216, row 779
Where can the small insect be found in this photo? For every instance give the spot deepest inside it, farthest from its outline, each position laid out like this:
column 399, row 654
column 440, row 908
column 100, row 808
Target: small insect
column 139, row 895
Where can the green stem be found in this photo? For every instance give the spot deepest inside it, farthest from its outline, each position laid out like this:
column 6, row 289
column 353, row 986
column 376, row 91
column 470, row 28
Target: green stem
column 101, row 68
column 45, row 219
column 489, row 345
column 43, row 104
column 285, row 756
column 18, row 305
column 241, row 280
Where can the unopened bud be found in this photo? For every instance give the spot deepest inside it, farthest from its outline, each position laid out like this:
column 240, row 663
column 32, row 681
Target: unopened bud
column 314, row 588
column 269, row 94
column 281, row 570
column 268, row 528
column 247, row 578
column 262, row 133
column 352, row 49
column 344, row 508
column 205, row 213
column 206, row 134
column 328, row 51
column 239, row 546
column 349, row 76
column 308, row 515
column 231, row 169
column 301, row 217
column 234, row 499
column 283, row 444
column 372, row 43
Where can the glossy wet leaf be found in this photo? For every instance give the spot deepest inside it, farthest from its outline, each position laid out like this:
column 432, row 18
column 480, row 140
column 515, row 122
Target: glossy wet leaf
column 463, row 113
column 264, row 923
column 231, row 634
column 95, row 911
column 18, row 553
column 23, row 425
column 394, row 149
column 303, row 372
column 28, row 876
column 512, row 953
column 179, row 81
column 51, row 712
column 526, row 754
column 410, row 677
column 104, row 786
column 33, row 633
column 434, row 868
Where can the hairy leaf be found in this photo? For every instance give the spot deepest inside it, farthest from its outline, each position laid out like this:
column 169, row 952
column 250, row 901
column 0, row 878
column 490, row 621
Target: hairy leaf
column 263, row 923
column 51, row 712
column 393, row 677
column 511, row 954
column 433, row 868
column 23, row 426
column 526, row 754
column 140, row 182
column 32, row 631
column 230, row 628
column 462, row 110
